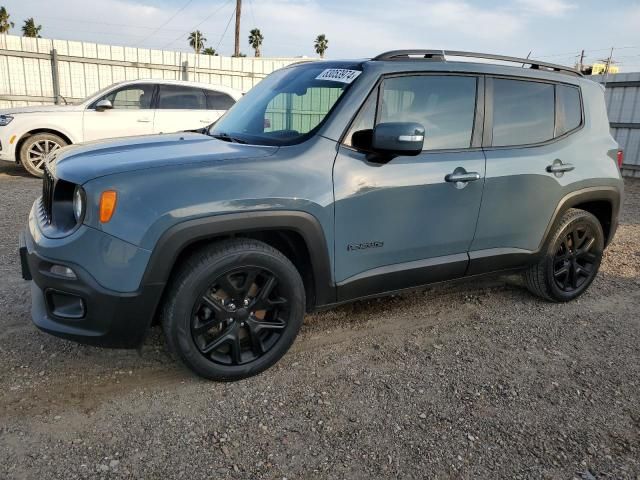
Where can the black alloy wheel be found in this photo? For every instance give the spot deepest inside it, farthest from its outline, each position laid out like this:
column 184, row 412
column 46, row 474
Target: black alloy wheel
column 233, row 309
column 570, row 260
column 240, row 316
column 574, row 262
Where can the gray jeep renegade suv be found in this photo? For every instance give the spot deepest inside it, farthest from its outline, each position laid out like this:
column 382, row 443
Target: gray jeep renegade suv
column 328, row 182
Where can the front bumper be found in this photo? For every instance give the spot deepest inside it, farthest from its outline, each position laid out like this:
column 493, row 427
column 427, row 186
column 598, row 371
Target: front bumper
column 7, row 156
column 81, row 309
column 7, row 149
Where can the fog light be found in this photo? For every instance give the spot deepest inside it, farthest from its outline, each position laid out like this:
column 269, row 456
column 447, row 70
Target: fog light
column 62, row 271
column 65, row 305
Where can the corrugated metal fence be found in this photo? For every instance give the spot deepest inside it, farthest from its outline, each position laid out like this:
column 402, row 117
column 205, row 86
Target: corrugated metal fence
column 41, row 70
column 623, row 106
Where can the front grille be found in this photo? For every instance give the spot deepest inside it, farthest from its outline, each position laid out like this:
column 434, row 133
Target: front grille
column 47, row 194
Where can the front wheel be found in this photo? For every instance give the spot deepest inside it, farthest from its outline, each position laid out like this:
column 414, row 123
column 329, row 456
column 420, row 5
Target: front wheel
column 35, row 151
column 572, row 258
column 234, row 309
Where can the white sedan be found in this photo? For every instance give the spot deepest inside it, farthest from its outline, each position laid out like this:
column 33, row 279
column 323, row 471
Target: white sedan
column 136, row 107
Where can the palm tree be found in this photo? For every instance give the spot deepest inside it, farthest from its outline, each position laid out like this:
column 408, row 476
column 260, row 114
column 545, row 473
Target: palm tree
column 209, row 51
column 196, row 40
column 29, row 29
column 321, row 44
column 5, row 24
column 255, row 40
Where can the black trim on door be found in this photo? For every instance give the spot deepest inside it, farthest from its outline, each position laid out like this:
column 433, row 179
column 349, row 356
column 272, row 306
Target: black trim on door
column 479, row 118
column 156, row 96
column 487, row 132
column 400, row 276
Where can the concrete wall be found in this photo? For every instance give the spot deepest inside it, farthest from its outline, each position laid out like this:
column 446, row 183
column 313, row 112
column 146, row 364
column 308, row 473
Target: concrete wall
column 27, row 73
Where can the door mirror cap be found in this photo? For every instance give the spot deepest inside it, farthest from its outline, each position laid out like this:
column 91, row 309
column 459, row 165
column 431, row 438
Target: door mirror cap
column 103, row 105
column 399, row 138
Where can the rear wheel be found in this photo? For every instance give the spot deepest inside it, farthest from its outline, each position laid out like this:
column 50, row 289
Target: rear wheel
column 572, row 258
column 35, row 150
column 234, row 309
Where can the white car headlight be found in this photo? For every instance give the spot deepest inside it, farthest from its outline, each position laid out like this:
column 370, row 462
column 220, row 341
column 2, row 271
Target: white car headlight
column 78, row 204
column 5, row 120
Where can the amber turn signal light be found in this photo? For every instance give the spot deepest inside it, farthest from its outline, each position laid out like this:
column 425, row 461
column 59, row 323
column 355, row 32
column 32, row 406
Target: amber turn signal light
column 108, row 201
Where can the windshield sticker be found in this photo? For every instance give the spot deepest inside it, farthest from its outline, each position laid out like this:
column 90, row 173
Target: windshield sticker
column 342, row 75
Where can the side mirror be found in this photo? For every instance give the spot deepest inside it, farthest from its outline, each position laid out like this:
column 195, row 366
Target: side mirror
column 398, row 138
column 103, row 105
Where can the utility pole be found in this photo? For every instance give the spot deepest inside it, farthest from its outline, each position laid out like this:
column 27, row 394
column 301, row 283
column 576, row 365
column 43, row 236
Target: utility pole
column 608, row 64
column 238, row 13
column 581, row 62
column 195, row 63
column 606, row 68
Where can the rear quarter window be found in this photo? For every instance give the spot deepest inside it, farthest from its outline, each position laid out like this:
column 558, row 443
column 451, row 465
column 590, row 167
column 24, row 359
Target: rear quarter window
column 218, row 100
column 569, row 109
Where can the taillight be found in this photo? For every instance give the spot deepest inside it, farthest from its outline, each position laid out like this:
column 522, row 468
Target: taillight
column 620, row 158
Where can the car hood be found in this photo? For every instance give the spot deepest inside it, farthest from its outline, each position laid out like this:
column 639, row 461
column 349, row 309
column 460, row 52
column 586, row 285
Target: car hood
column 41, row 109
column 85, row 161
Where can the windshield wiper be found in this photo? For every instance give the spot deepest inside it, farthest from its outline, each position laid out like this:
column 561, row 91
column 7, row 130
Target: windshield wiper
column 227, row 138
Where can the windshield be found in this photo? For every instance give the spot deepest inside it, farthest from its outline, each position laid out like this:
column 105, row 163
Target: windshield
column 287, row 106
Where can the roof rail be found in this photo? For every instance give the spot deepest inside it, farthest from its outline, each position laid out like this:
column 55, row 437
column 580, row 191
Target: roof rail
column 439, row 55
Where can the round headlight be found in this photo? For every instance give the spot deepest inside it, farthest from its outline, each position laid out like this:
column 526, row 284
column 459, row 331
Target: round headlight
column 78, row 204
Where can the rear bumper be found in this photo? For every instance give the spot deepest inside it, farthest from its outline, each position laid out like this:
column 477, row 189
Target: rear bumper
column 82, row 310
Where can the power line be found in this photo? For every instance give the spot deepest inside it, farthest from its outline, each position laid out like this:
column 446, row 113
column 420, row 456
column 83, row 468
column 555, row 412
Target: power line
column 587, row 51
column 225, row 29
column 204, row 20
column 165, row 23
column 253, row 17
column 110, row 24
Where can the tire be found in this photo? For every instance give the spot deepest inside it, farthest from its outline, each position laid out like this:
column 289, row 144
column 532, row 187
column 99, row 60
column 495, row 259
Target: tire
column 209, row 326
column 571, row 259
column 34, row 149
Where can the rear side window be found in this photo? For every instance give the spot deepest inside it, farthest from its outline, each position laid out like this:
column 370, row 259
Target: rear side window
column 178, row 97
column 444, row 105
column 569, row 109
column 218, row 100
column 523, row 112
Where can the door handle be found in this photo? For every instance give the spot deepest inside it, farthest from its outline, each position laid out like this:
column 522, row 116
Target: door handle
column 206, row 121
column 144, row 120
column 457, row 176
column 559, row 167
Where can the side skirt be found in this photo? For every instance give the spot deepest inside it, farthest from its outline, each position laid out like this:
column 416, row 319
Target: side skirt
column 401, row 276
column 404, row 277
column 498, row 259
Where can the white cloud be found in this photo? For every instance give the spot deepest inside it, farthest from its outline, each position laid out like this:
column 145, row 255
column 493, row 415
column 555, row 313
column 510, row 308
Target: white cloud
column 553, row 8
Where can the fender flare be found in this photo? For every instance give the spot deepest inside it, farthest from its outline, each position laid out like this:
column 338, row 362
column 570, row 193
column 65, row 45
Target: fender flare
column 178, row 237
column 611, row 195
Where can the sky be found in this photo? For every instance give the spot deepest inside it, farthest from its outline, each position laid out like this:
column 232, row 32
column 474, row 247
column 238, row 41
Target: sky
column 552, row 30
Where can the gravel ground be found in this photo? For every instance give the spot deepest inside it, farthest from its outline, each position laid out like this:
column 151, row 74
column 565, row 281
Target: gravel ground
column 468, row 380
